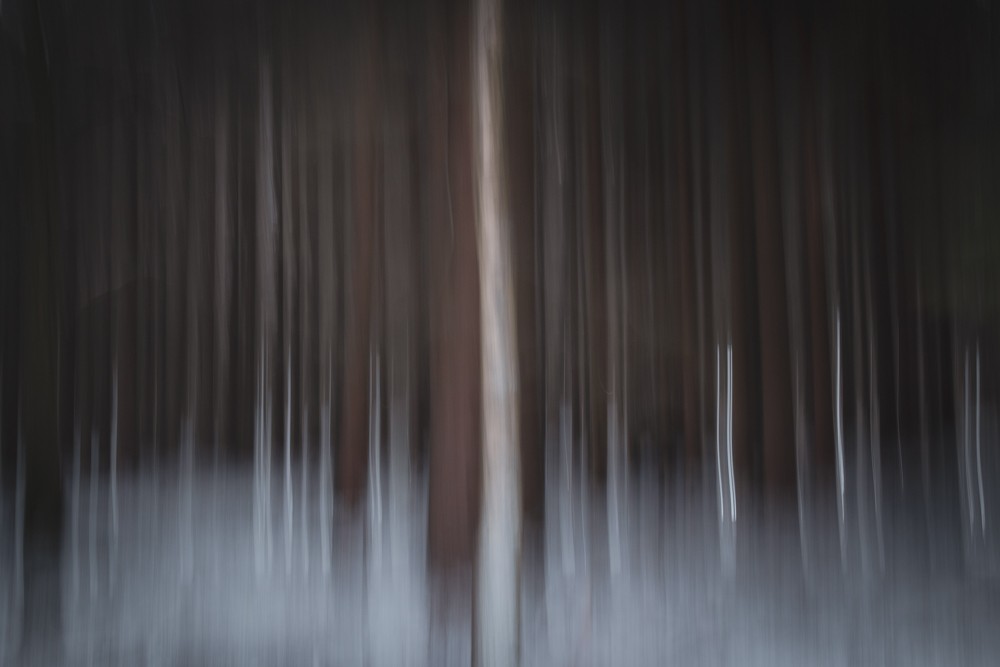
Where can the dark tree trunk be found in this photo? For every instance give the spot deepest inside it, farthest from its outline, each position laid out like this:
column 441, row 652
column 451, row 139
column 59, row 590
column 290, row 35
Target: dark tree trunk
column 776, row 392
column 685, row 240
column 454, row 328
column 352, row 460
column 38, row 389
column 592, row 238
column 519, row 113
column 818, row 320
column 738, row 273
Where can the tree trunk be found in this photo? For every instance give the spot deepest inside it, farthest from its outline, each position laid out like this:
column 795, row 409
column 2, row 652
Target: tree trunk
column 497, row 591
column 454, row 327
column 39, row 438
column 352, row 461
column 773, row 316
column 519, row 83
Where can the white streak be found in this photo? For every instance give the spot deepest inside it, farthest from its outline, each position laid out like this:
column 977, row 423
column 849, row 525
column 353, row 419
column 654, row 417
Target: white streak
column 876, row 435
column 614, row 533
column 1, row 429
column 19, row 509
column 965, row 443
column 838, row 408
column 375, row 459
column 92, row 559
column 566, row 489
column 113, row 550
column 718, row 429
column 729, row 428
column 979, row 459
column 186, row 515
column 75, row 511
column 289, row 510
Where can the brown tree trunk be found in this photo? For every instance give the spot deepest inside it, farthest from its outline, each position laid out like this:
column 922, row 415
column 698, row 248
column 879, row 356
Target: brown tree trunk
column 685, row 240
column 354, row 439
column 818, row 325
column 454, row 282
column 739, row 290
column 519, row 112
column 776, row 392
column 592, row 237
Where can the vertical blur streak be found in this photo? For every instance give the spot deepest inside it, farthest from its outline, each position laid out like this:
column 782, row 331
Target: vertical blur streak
column 979, row 457
column 839, row 423
column 729, row 431
column 610, row 156
column 382, row 332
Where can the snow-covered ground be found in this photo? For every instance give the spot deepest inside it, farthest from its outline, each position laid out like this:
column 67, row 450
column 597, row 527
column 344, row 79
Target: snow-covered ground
column 184, row 582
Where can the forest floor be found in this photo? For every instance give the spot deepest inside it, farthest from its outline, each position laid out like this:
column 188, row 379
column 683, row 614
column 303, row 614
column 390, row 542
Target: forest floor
column 190, row 578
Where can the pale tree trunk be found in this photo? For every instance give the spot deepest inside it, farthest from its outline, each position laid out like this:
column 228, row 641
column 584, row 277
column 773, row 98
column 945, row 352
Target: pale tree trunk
column 736, row 312
column 556, row 238
column 324, row 300
column 499, row 546
column 306, row 361
column 721, row 166
column 612, row 163
column 399, row 316
column 266, row 287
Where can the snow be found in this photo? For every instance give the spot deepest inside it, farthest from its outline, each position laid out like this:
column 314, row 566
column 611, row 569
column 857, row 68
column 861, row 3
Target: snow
column 670, row 602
